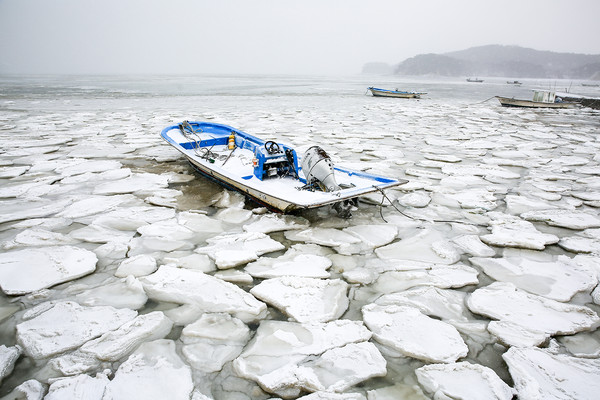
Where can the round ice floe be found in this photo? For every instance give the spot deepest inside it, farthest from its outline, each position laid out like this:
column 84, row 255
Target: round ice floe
column 406, row 330
column 529, row 312
column 28, row 270
column 154, row 371
column 206, row 292
column 559, row 280
column 305, row 299
column 66, row 326
column 465, row 198
column 538, row 374
column 234, row 215
column 463, row 380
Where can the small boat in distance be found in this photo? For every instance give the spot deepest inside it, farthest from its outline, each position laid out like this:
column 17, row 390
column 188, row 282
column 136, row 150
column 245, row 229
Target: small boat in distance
column 271, row 173
column 513, row 82
column 541, row 99
column 395, row 93
column 474, row 80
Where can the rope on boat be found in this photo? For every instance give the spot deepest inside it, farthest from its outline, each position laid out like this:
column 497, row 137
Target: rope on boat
column 418, row 219
column 481, row 102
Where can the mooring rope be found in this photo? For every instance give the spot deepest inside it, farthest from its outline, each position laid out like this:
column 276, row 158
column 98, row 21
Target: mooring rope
column 418, row 219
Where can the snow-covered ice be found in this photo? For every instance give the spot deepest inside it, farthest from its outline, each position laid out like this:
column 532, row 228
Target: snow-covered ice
column 125, row 274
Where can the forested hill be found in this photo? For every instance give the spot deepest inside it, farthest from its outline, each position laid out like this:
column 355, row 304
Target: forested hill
column 505, row 61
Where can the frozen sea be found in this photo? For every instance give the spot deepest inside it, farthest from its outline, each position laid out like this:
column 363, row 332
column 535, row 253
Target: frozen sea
column 126, row 275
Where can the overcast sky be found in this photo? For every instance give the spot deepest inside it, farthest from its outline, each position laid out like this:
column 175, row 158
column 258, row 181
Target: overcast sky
column 275, row 36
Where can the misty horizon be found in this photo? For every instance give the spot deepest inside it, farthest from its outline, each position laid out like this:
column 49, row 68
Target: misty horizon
column 273, row 37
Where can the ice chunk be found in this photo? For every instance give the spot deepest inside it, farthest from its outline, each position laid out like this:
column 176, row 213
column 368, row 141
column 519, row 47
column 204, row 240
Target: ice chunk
column 38, row 237
column 234, row 276
column 479, row 170
column 276, row 356
column 465, row 198
column 420, row 247
column 18, row 209
column 166, row 229
column 78, row 387
column 509, row 231
column 8, row 358
column 154, row 371
column 276, row 222
column 322, row 236
column 232, row 250
column 529, row 313
column 140, row 265
column 131, row 218
column 93, row 205
column 66, row 326
column 116, row 344
column 290, row 264
column 28, row 390
column 415, row 199
column 559, row 280
column 463, row 380
column 118, row 293
column 305, row 299
column 443, row 276
column 88, row 166
column 28, row 270
column 516, row 205
column 471, row 244
column 99, row 234
column 371, row 236
column 234, row 215
column 406, row 330
column 447, row 304
column 136, row 183
column 538, row 374
column 208, row 293
column 577, row 220
column 200, row 262
column 213, row 340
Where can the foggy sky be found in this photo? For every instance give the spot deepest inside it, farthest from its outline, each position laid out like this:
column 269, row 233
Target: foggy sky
column 275, row 36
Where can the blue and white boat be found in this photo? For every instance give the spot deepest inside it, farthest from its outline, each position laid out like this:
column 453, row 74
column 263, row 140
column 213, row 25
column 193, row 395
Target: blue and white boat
column 395, row 93
column 271, row 173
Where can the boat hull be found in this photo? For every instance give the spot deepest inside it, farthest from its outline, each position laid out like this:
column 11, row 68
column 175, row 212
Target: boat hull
column 235, row 169
column 395, row 93
column 509, row 102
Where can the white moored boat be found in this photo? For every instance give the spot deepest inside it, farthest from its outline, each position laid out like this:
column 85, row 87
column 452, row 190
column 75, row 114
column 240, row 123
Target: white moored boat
column 541, row 99
column 271, row 173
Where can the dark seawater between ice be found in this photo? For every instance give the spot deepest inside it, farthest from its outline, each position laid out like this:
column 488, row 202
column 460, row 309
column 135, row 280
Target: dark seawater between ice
column 126, row 275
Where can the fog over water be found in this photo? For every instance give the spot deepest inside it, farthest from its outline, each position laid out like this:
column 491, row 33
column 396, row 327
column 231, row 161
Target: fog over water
column 275, row 37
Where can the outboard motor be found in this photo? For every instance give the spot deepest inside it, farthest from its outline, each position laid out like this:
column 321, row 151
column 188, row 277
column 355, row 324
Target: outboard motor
column 318, row 168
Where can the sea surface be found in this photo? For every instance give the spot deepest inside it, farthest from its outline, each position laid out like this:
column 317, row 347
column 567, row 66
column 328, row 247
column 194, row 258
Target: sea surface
column 552, row 153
